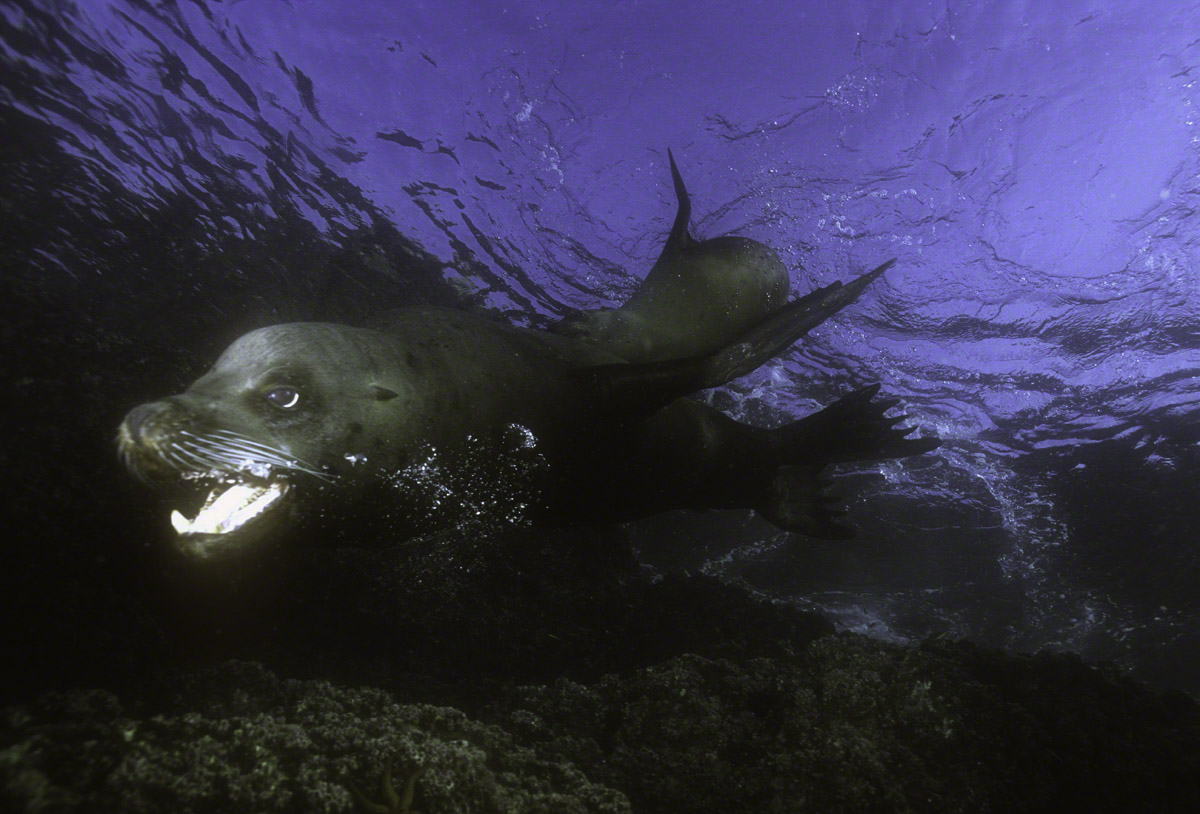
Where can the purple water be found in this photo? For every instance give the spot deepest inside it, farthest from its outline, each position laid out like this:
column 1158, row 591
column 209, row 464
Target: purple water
column 1034, row 167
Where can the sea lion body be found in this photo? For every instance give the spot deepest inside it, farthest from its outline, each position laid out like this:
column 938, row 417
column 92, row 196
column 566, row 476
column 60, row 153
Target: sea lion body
column 417, row 378
column 425, row 408
column 426, row 385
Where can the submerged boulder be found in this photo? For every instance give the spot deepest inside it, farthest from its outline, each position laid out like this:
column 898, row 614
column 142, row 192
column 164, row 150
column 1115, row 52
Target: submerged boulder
column 848, row 724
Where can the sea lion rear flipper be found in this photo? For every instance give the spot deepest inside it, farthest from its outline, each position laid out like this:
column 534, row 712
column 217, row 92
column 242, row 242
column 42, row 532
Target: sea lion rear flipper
column 853, row 428
column 647, row 386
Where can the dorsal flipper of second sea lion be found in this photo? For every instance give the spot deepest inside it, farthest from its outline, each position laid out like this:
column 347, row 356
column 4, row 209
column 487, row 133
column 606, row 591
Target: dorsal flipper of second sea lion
column 645, row 387
column 698, row 297
column 680, row 238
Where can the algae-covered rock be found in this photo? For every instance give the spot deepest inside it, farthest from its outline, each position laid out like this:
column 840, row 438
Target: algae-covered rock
column 846, row 724
column 857, row 725
column 245, row 740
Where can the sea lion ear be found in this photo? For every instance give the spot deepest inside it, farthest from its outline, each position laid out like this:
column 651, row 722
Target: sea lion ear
column 382, row 393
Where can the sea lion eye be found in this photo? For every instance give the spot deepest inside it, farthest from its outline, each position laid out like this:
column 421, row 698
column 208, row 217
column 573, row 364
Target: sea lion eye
column 285, row 398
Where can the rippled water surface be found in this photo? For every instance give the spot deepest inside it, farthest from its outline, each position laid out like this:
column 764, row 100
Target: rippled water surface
column 1035, row 168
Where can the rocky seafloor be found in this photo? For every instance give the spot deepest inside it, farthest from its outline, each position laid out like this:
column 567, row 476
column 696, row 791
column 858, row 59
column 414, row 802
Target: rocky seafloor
column 545, row 671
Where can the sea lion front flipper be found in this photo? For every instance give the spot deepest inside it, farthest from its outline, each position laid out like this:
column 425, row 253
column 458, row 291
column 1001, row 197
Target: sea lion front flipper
column 781, row 329
column 647, row 386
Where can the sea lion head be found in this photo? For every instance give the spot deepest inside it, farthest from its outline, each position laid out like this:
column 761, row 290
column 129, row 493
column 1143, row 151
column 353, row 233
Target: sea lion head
column 282, row 411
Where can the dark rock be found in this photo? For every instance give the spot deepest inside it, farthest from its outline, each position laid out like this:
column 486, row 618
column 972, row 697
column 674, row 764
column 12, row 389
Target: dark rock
column 242, row 739
column 847, row 724
column 857, row 725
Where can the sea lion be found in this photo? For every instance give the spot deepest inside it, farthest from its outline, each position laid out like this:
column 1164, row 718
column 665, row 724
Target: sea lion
column 428, row 404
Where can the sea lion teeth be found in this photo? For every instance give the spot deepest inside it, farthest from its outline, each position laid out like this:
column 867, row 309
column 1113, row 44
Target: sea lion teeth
column 229, row 509
column 182, row 524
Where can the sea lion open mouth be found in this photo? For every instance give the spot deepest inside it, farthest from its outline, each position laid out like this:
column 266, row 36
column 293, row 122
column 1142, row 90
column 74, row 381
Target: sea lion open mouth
column 231, row 506
column 229, row 488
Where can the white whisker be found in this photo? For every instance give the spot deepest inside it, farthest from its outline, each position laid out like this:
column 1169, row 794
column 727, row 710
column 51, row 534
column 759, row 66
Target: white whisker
column 223, row 449
column 177, row 462
column 274, row 457
column 203, row 453
column 186, row 455
column 234, row 450
column 242, row 439
column 229, row 439
column 169, row 457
